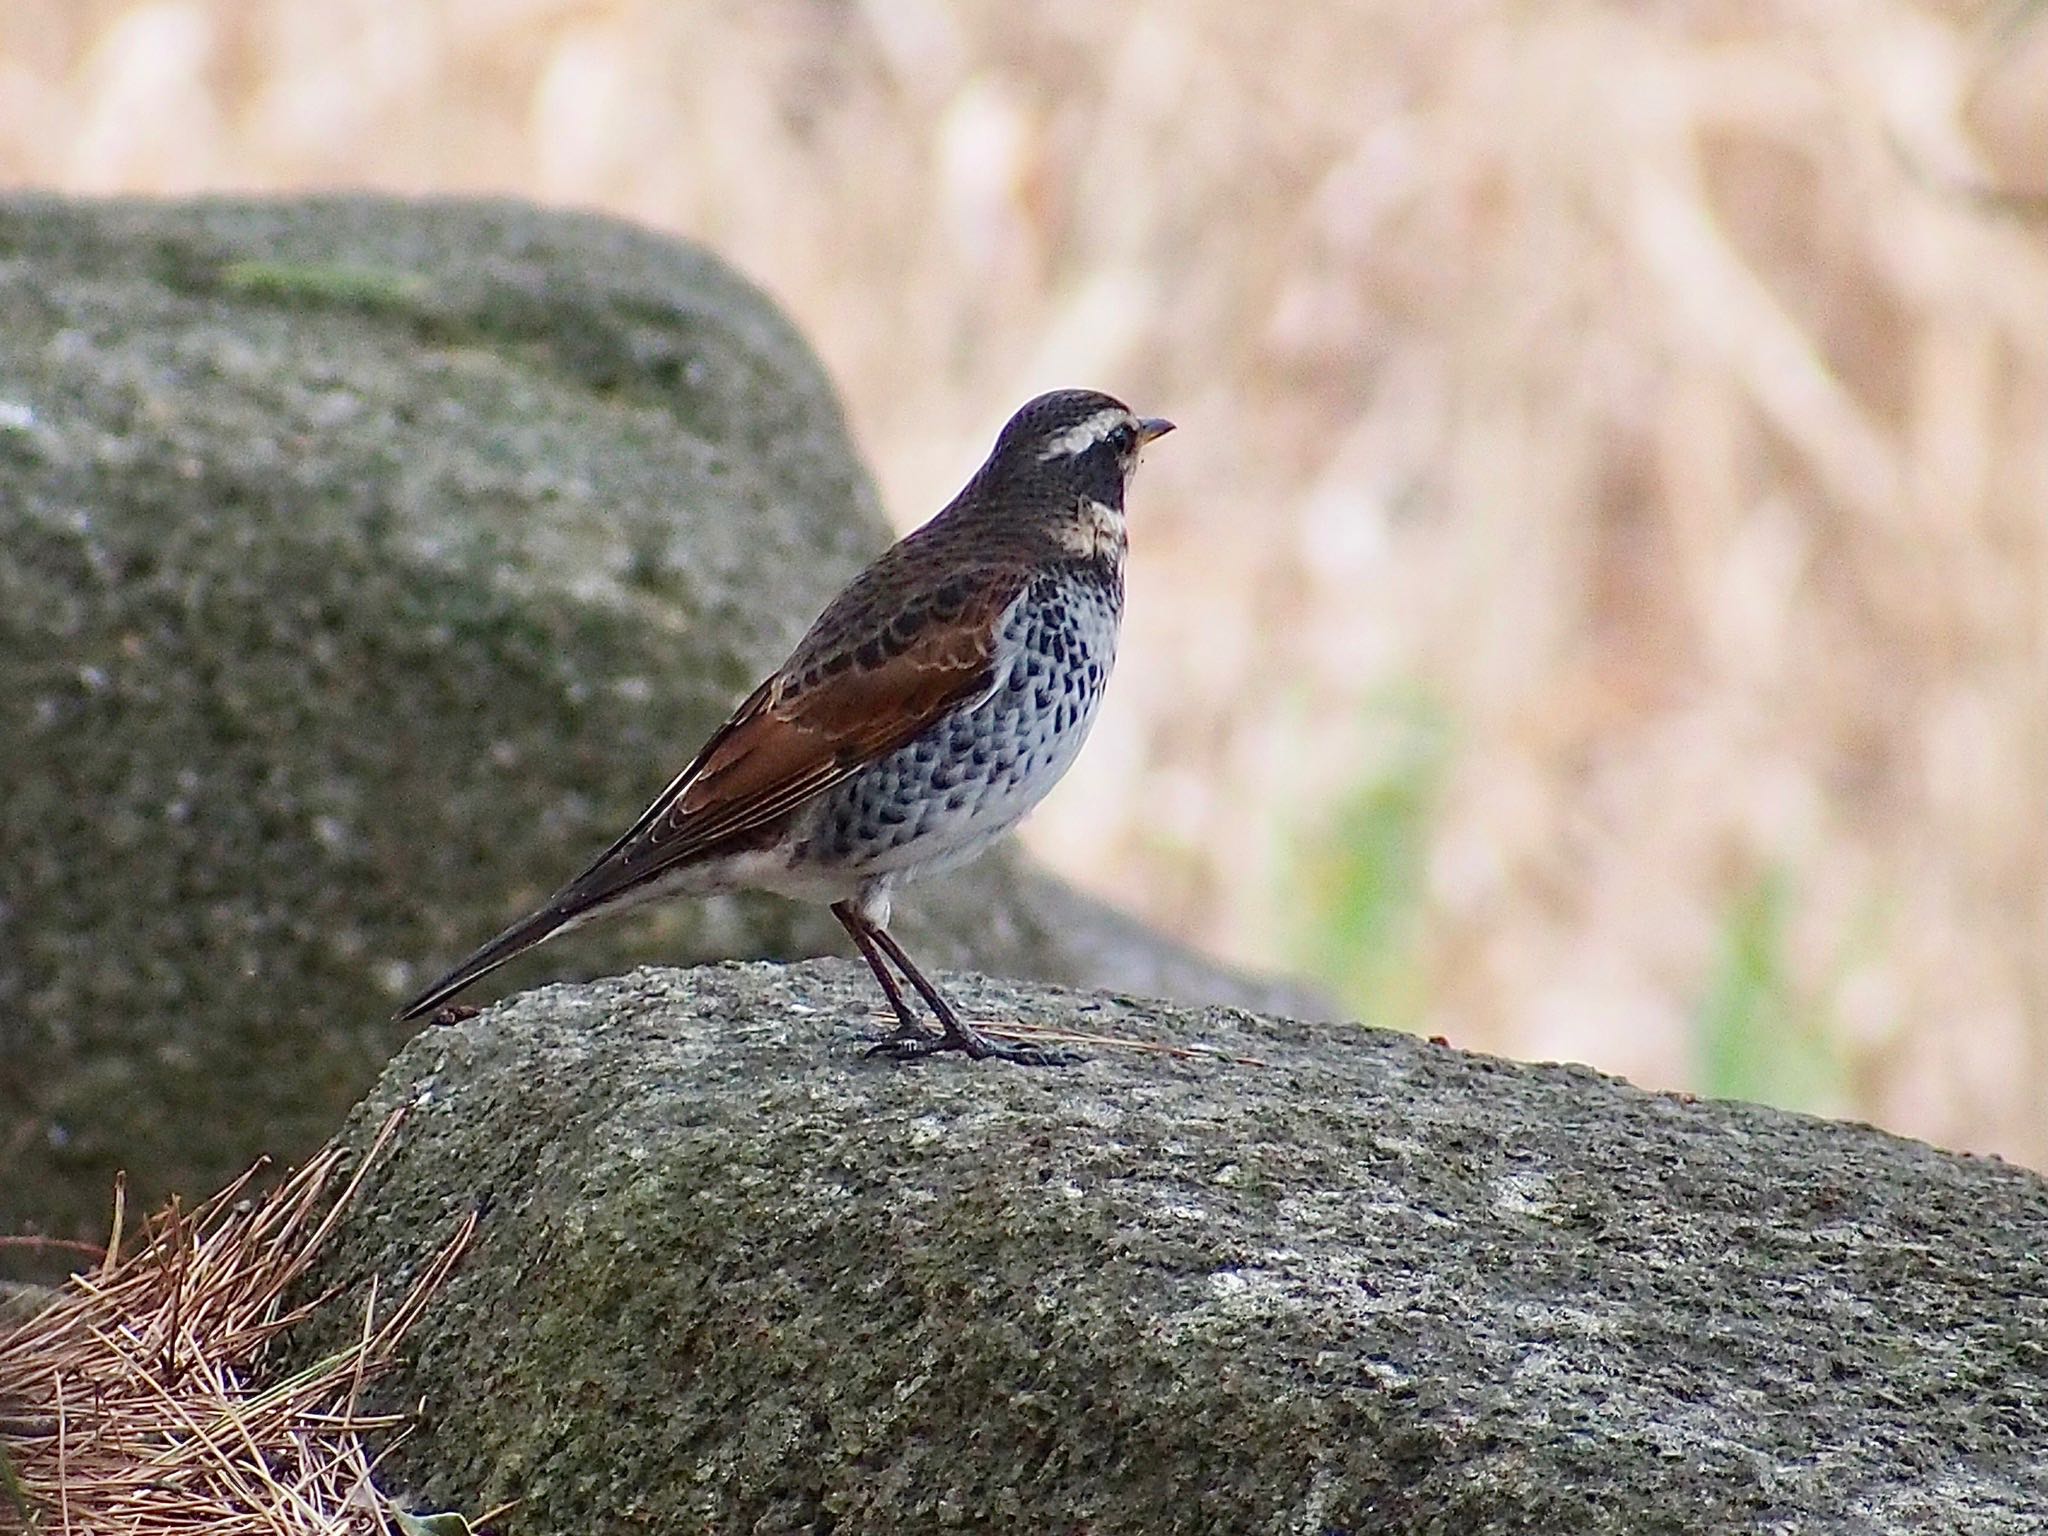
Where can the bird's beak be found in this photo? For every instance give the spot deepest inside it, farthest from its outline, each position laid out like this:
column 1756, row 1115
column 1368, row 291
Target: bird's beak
column 1150, row 427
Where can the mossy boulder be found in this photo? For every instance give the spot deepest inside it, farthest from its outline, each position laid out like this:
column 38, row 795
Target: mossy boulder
column 364, row 566
column 734, row 1275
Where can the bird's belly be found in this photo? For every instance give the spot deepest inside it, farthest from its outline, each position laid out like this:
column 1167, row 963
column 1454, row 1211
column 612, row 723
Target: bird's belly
column 944, row 797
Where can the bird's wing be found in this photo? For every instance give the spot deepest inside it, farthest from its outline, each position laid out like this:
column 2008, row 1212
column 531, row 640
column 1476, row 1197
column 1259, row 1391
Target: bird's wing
column 859, row 686
column 889, row 658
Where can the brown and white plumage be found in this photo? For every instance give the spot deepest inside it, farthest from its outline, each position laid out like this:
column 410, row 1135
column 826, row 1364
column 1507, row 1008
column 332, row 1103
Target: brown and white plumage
column 897, row 738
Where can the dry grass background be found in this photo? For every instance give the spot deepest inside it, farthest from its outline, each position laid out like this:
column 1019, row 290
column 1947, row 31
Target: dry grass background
column 1597, row 605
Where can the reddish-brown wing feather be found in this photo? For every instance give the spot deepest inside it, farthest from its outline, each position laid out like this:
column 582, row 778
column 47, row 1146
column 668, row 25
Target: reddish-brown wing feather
column 853, row 692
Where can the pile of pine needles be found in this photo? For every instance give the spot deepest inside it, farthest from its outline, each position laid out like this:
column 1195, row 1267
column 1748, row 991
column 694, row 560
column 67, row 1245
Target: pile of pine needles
column 135, row 1398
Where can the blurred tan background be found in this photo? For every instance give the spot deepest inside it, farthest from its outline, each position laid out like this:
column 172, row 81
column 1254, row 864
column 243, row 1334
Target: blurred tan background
column 1597, row 604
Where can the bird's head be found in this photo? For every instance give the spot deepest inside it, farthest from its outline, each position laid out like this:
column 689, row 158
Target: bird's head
column 1073, row 444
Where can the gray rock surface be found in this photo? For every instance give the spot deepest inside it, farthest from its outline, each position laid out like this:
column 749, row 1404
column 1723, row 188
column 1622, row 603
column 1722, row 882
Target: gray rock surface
column 364, row 566
column 734, row 1276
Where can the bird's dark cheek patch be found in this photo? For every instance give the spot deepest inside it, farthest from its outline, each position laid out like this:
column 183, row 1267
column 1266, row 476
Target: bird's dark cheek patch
column 1099, row 475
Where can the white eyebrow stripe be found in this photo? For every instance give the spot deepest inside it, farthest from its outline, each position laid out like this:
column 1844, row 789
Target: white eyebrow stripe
column 1083, row 435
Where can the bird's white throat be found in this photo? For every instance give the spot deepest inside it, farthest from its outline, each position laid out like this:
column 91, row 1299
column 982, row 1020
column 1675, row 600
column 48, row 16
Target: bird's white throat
column 1095, row 531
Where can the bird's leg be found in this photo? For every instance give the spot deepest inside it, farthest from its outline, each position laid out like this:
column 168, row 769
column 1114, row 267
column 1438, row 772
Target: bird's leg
column 908, row 1030
column 959, row 1034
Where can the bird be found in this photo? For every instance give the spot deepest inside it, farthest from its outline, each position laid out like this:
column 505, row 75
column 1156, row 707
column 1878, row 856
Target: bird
column 930, row 707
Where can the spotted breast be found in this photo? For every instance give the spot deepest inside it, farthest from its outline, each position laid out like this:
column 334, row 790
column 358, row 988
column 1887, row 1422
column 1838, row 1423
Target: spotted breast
column 941, row 799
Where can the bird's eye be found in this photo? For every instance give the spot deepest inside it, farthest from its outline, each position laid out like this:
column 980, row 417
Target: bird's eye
column 1123, row 439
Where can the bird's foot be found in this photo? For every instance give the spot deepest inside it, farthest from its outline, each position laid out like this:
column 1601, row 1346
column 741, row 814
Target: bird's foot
column 908, row 1044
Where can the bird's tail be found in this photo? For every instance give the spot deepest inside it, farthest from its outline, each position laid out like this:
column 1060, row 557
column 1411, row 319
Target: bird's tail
column 517, row 939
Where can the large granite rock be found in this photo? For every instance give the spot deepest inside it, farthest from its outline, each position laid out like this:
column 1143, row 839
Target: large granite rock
column 735, row 1276
column 364, row 566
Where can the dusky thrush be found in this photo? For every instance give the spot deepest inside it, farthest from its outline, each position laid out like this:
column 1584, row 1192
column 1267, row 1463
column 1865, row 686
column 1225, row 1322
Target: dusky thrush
column 934, row 702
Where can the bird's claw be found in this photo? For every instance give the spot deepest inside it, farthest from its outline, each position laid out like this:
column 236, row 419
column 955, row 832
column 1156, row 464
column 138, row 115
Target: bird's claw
column 915, row 1045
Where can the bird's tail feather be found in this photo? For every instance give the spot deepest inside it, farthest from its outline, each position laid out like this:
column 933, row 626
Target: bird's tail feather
column 516, row 940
